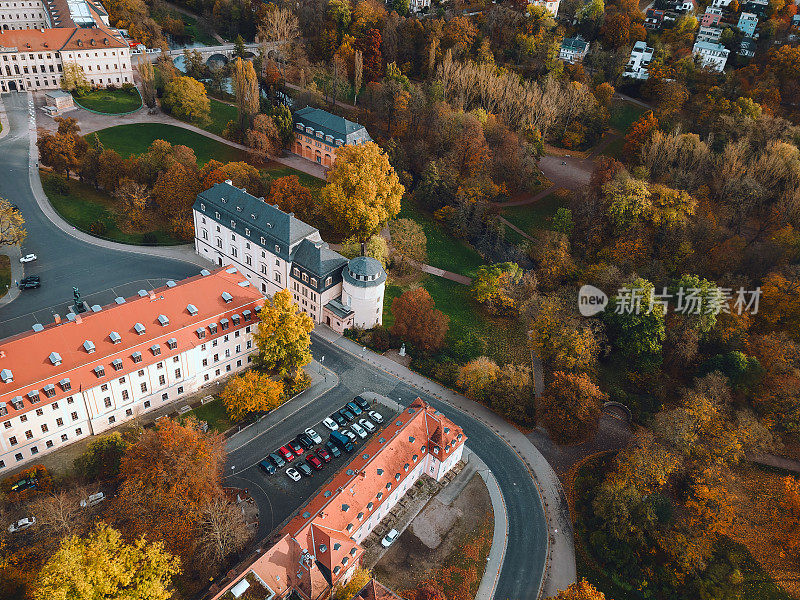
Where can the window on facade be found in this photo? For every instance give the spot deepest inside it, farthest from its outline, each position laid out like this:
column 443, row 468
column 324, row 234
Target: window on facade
column 161, row 380
column 125, row 394
column 144, row 387
column 59, row 422
column 29, row 435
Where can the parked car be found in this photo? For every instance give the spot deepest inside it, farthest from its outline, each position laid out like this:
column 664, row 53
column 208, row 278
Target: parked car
column 350, row 435
column 339, row 419
column 22, row 524
column 330, row 424
column 286, row 454
column 267, row 467
column 367, row 424
column 30, row 283
column 389, row 538
column 305, row 469
column 295, row 447
column 353, row 408
column 25, row 483
column 314, row 436
column 362, row 404
column 324, row 454
column 359, row 431
column 376, row 416
column 314, row 461
column 27, row 258
column 93, row 500
column 305, row 441
column 347, row 415
column 293, row 474
column 276, row 460
column 333, row 449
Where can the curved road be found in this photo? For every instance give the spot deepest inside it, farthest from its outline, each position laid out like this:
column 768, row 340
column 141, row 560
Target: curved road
column 101, row 274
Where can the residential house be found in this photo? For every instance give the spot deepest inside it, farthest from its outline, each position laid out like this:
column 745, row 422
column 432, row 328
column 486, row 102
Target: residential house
column 653, row 18
column 712, row 56
column 712, row 17
column 756, row 7
column 550, row 5
column 637, row 66
column 573, row 49
column 747, row 47
column 747, row 24
column 319, row 133
column 708, row 34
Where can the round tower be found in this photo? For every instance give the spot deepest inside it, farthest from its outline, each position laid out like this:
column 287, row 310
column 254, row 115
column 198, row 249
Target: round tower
column 363, row 285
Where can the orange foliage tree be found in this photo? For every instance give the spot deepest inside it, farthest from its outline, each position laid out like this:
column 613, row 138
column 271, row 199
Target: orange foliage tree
column 292, row 196
column 418, row 321
column 570, row 408
column 251, row 392
column 639, row 133
column 581, row 590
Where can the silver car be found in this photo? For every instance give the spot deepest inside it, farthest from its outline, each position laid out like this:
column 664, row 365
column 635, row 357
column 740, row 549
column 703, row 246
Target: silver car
column 367, row 424
column 359, row 431
column 22, row 524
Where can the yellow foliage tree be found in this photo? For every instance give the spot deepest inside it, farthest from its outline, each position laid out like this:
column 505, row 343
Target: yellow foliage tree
column 581, row 590
column 251, row 392
column 12, row 231
column 283, row 336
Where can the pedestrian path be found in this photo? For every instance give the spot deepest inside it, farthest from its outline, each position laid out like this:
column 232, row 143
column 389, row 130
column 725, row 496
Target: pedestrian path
column 530, row 199
column 13, row 253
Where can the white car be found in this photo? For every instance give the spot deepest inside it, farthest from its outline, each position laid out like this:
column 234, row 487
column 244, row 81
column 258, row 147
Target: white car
column 330, row 424
column 22, row 524
column 349, row 434
column 314, row 436
column 390, row 537
column 27, row 258
column 358, row 430
column 293, row 474
column 375, row 416
column 367, row 424
column 93, row 500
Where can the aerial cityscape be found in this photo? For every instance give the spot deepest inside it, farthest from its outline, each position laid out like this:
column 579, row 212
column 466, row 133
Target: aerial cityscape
column 399, row 300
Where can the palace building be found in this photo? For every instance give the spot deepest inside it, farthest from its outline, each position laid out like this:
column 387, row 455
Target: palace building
column 319, row 133
column 86, row 373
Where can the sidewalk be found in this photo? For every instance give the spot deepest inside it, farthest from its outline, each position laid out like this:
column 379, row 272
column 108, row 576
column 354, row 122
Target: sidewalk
column 530, row 200
column 560, row 569
column 13, row 253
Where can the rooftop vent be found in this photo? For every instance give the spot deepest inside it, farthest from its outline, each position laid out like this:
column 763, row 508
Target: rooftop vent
column 231, row 270
column 205, row 272
column 88, row 345
column 171, row 284
column 380, row 471
column 139, row 328
column 306, row 514
column 227, row 297
column 96, row 308
column 143, row 293
column 55, row 358
column 244, row 283
column 163, row 320
column 323, row 548
column 115, row 337
column 327, row 493
column 365, row 456
column 229, row 182
column 71, row 316
column 6, row 375
column 345, row 507
column 37, row 327
column 119, row 300
column 192, row 309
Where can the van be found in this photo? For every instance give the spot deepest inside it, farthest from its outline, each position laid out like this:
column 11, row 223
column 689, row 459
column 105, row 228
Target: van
column 342, row 441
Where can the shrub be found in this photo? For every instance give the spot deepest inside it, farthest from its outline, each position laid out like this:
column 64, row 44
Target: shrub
column 59, row 184
column 149, row 239
column 381, row 339
column 98, row 227
column 130, row 88
column 293, row 386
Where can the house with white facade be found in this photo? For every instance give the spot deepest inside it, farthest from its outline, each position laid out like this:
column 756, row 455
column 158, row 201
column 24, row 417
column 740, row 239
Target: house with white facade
column 573, row 49
column 550, row 6
column 713, row 56
column 708, row 33
column 275, row 250
column 638, row 63
column 86, row 373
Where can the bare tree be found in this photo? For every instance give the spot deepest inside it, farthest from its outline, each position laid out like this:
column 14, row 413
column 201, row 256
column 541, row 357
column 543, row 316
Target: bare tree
column 358, row 74
column 280, row 28
column 60, row 513
column 222, row 530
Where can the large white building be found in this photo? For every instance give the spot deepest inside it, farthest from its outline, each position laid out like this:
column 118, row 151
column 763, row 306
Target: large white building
column 638, row 63
column 38, row 40
column 275, row 250
column 713, row 56
column 87, row 373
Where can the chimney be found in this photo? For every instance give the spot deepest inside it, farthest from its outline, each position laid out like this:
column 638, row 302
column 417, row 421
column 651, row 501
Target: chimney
column 78, row 319
column 57, row 318
column 2, row 353
column 152, row 295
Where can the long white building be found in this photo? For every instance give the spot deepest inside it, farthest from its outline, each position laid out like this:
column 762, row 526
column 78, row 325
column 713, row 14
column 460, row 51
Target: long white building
column 275, row 250
column 85, row 374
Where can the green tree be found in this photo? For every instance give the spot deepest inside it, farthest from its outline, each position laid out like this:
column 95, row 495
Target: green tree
column 239, row 51
column 408, row 240
column 492, row 284
column 696, row 299
column 628, row 201
column 376, row 247
column 101, row 459
column 562, row 221
column 186, row 99
column 282, row 118
column 283, row 336
column 103, row 567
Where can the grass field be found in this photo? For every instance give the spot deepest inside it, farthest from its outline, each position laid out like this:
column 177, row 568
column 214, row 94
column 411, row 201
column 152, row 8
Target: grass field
column 214, row 414
column 83, row 205
column 111, row 102
column 614, row 149
column 538, row 215
column 623, row 113
column 5, row 274
column 221, row 113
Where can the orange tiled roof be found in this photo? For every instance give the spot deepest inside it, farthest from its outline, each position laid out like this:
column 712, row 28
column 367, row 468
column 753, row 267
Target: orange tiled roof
column 60, row 39
column 28, row 355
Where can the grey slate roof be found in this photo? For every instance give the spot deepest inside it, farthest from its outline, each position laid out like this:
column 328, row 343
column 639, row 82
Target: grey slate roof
column 247, row 211
column 337, row 127
column 317, row 258
column 577, row 44
column 364, row 271
column 339, row 309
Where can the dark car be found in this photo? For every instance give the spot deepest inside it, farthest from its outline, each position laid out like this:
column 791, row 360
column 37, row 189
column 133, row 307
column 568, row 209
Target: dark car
column 304, row 440
column 333, row 449
column 362, row 404
column 324, row 454
column 314, row 461
column 295, row 447
column 353, row 408
column 286, row 454
column 267, row 467
column 276, row 460
column 340, row 420
column 304, row 469
column 347, row 415
column 30, row 282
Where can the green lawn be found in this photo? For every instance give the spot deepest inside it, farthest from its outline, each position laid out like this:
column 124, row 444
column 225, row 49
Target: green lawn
column 444, row 250
column 136, row 138
column 193, row 28
column 538, row 215
column 112, row 102
column 214, row 414
column 83, row 205
column 623, row 113
column 221, row 113
column 614, row 149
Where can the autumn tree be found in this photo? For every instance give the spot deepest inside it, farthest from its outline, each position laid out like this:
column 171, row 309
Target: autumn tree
column 639, row 132
column 251, row 392
column 133, row 197
column 283, row 336
column 418, row 322
column 12, row 230
column 580, row 590
column 73, row 78
column 280, row 28
column 357, row 581
column 370, row 47
column 263, row 138
column 102, row 457
column 491, row 286
column 147, row 75
column 478, row 377
column 376, row 247
column 222, row 530
column 291, row 196
column 570, row 407
column 186, row 99
column 429, row 590
column 780, row 302
column 363, row 191
column 560, row 339
column 512, row 393
column 169, row 476
column 64, row 150
column 103, row 567
column 245, row 86
column 409, row 242
column 175, row 191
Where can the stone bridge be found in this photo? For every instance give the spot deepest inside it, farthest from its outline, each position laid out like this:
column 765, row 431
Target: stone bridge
column 225, row 51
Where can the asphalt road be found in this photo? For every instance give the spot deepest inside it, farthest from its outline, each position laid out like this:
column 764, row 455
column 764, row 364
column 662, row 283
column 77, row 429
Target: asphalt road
column 100, row 274
column 278, row 497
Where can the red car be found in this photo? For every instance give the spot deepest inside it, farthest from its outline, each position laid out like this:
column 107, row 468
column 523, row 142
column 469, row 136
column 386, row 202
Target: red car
column 314, row 461
column 324, row 454
column 296, row 448
column 286, row 454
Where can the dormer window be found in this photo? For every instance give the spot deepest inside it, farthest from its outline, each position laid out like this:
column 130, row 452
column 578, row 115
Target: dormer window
column 247, row 315
column 224, row 324
column 100, row 371
column 328, row 281
column 88, row 345
column 117, row 364
column 172, row 343
column 65, row 384
column 139, row 328
column 115, row 337
column 212, row 327
column 137, row 357
column 201, row 332
column 235, row 319
column 17, row 403
column 33, row 395
column 155, row 349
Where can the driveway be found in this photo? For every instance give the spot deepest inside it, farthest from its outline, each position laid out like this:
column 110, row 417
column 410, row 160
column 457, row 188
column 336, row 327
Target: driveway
column 100, row 273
